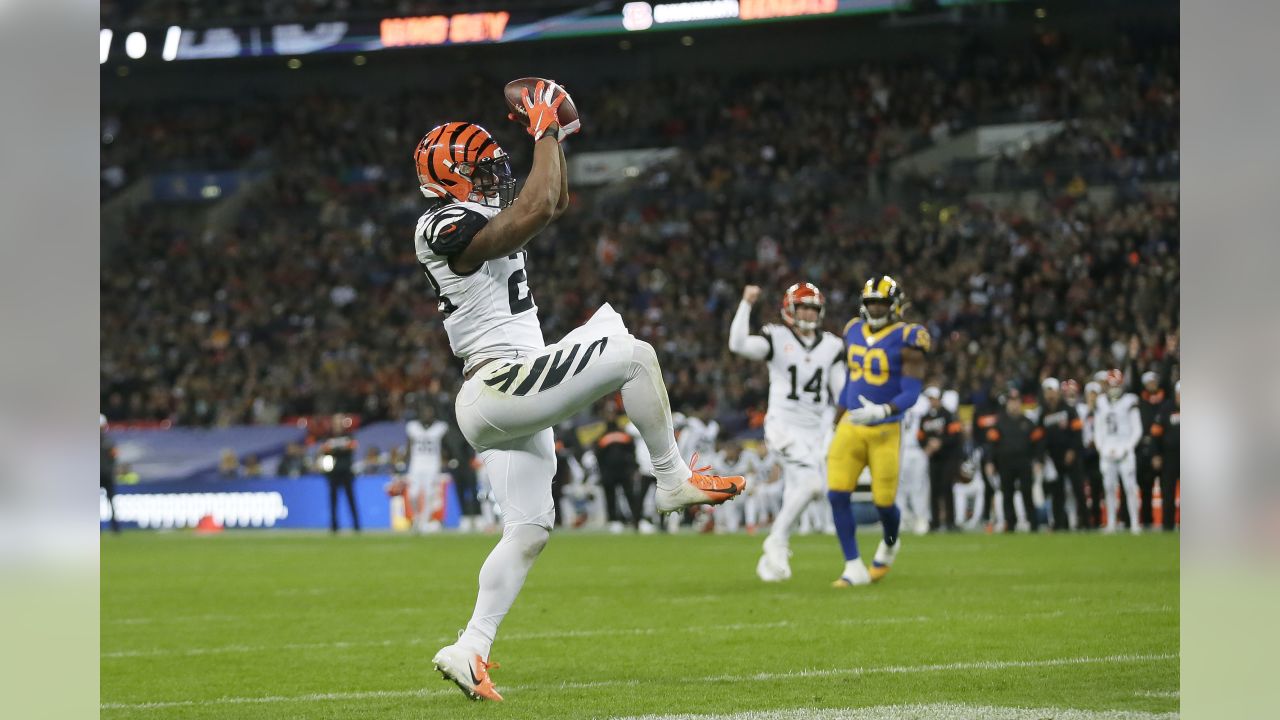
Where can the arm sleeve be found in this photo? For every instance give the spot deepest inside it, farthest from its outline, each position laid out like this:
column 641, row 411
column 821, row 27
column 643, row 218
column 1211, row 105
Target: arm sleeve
column 836, row 378
column 909, row 393
column 918, row 337
column 449, row 230
column 742, row 342
column 1135, row 427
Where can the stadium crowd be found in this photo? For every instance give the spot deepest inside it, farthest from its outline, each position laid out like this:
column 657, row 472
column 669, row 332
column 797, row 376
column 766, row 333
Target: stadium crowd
column 142, row 13
column 312, row 300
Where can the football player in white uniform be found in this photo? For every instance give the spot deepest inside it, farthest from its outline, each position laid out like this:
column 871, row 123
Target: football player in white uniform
column 805, row 376
column 913, row 472
column 515, row 387
column 426, row 434
column 1117, row 429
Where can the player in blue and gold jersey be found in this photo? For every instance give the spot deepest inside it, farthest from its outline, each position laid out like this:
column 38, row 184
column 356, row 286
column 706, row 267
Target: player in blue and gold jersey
column 886, row 364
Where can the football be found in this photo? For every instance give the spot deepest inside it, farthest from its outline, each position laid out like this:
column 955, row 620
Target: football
column 567, row 113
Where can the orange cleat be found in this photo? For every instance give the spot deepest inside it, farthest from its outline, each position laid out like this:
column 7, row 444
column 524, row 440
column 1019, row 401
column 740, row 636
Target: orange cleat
column 468, row 671
column 700, row 489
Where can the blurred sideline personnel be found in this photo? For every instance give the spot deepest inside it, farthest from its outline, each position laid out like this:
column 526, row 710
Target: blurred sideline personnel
column 1060, row 430
column 1011, row 454
column 616, row 458
column 939, row 433
column 339, row 453
column 1085, row 410
column 426, row 440
column 516, row 388
column 804, row 365
column 1167, row 430
column 886, row 365
column 1150, row 398
column 461, row 461
column 1117, row 430
column 107, row 470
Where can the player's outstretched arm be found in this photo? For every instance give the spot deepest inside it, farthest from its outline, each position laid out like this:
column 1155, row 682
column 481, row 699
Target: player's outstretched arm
column 562, row 203
column 741, row 341
column 528, row 215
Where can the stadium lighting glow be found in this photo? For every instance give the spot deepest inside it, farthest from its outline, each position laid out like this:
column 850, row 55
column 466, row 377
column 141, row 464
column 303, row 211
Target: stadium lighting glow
column 135, row 45
column 637, row 16
column 171, row 40
column 104, row 45
column 692, row 11
column 761, row 9
column 441, row 29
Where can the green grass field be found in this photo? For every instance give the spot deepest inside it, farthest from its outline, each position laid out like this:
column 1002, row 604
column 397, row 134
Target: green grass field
column 301, row 625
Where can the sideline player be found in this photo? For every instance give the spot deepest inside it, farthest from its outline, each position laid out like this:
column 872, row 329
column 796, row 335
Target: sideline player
column 886, row 366
column 803, row 363
column 426, row 437
column 1117, row 431
column 470, row 243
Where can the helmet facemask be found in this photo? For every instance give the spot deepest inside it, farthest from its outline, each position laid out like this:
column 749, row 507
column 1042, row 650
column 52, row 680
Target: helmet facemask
column 493, row 183
column 793, row 317
column 876, row 323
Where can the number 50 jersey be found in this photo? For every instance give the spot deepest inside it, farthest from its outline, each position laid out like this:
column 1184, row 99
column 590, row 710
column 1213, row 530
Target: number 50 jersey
column 874, row 362
column 488, row 312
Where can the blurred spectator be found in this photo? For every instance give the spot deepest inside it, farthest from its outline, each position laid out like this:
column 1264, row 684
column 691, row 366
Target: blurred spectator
column 229, row 464
column 294, row 462
column 310, row 301
column 251, row 468
column 374, row 462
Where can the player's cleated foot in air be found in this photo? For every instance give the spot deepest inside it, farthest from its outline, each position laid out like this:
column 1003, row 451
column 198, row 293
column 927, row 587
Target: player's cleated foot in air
column 855, row 573
column 775, row 563
column 700, row 489
column 468, row 671
column 885, row 555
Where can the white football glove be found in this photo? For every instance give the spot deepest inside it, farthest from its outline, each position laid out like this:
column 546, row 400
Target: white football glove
column 869, row 412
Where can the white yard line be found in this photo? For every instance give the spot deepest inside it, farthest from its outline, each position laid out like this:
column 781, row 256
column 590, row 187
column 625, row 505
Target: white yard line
column 1159, row 693
column 938, row 711
column 621, row 632
column 721, row 679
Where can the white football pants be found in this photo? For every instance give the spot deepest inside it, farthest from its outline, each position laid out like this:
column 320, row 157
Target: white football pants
column 802, row 454
column 507, row 410
column 1115, row 472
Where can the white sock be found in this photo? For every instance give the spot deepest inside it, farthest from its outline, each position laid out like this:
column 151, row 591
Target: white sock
column 644, row 395
column 501, row 578
column 851, row 567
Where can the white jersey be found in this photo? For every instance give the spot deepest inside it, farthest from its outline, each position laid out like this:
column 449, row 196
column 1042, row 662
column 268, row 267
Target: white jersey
column 424, row 446
column 911, row 423
column 699, row 437
column 749, row 465
column 804, row 376
column 488, row 313
column 1117, row 424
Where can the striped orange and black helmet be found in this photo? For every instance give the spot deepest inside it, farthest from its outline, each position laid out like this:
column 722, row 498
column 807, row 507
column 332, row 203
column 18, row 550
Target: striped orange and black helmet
column 461, row 161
